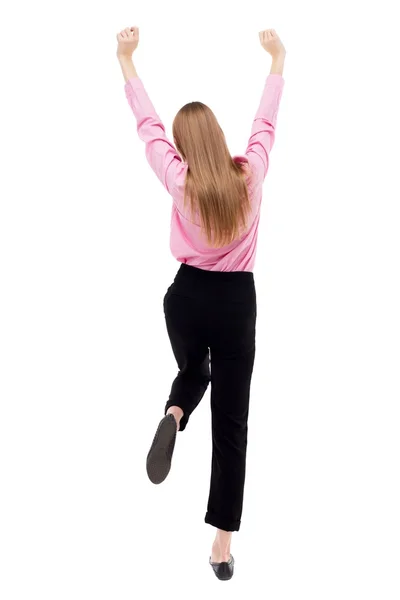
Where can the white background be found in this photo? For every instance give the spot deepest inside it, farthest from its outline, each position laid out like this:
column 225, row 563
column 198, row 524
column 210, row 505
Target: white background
column 86, row 365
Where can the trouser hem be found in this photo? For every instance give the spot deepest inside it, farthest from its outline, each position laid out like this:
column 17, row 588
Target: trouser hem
column 221, row 523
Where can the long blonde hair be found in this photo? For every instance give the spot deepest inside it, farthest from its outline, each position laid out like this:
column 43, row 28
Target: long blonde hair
column 215, row 184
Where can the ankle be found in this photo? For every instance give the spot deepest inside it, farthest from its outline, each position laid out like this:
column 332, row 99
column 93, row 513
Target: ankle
column 221, row 550
column 218, row 555
column 177, row 413
column 223, row 538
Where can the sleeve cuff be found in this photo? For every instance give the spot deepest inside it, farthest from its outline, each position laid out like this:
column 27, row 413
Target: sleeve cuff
column 276, row 78
column 134, row 82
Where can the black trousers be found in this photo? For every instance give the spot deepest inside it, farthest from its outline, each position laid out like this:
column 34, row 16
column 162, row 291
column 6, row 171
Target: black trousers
column 211, row 322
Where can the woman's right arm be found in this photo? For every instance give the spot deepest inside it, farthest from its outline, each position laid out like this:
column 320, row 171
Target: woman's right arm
column 263, row 130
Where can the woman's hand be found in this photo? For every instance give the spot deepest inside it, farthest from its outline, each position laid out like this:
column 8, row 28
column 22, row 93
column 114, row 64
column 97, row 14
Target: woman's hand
column 128, row 40
column 271, row 42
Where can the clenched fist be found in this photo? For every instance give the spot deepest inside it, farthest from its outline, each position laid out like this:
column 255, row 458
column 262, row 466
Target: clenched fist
column 128, row 40
column 271, row 42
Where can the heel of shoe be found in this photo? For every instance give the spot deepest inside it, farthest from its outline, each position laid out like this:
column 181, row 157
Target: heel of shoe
column 224, row 570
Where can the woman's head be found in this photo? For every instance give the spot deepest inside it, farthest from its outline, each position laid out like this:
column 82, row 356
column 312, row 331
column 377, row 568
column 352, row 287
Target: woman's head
column 215, row 184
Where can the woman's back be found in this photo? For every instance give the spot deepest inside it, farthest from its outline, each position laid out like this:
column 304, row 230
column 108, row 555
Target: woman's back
column 188, row 243
column 189, row 246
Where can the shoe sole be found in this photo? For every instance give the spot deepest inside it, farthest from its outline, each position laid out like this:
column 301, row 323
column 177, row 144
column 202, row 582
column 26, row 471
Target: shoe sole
column 158, row 463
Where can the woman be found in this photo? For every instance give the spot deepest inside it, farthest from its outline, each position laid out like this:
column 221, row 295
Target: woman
column 210, row 309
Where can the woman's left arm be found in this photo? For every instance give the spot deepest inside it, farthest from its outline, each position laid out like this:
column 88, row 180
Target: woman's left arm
column 160, row 152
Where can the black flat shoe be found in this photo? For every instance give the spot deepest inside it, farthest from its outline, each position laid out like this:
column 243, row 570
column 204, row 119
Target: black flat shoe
column 159, row 458
column 224, row 570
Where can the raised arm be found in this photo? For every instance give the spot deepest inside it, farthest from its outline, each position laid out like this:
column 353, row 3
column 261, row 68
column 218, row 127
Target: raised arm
column 160, row 152
column 263, row 130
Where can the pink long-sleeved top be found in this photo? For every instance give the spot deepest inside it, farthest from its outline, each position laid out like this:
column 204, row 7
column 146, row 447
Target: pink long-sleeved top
column 187, row 242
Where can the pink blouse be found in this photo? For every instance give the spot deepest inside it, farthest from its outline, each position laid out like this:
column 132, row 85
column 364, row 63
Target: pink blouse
column 188, row 244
